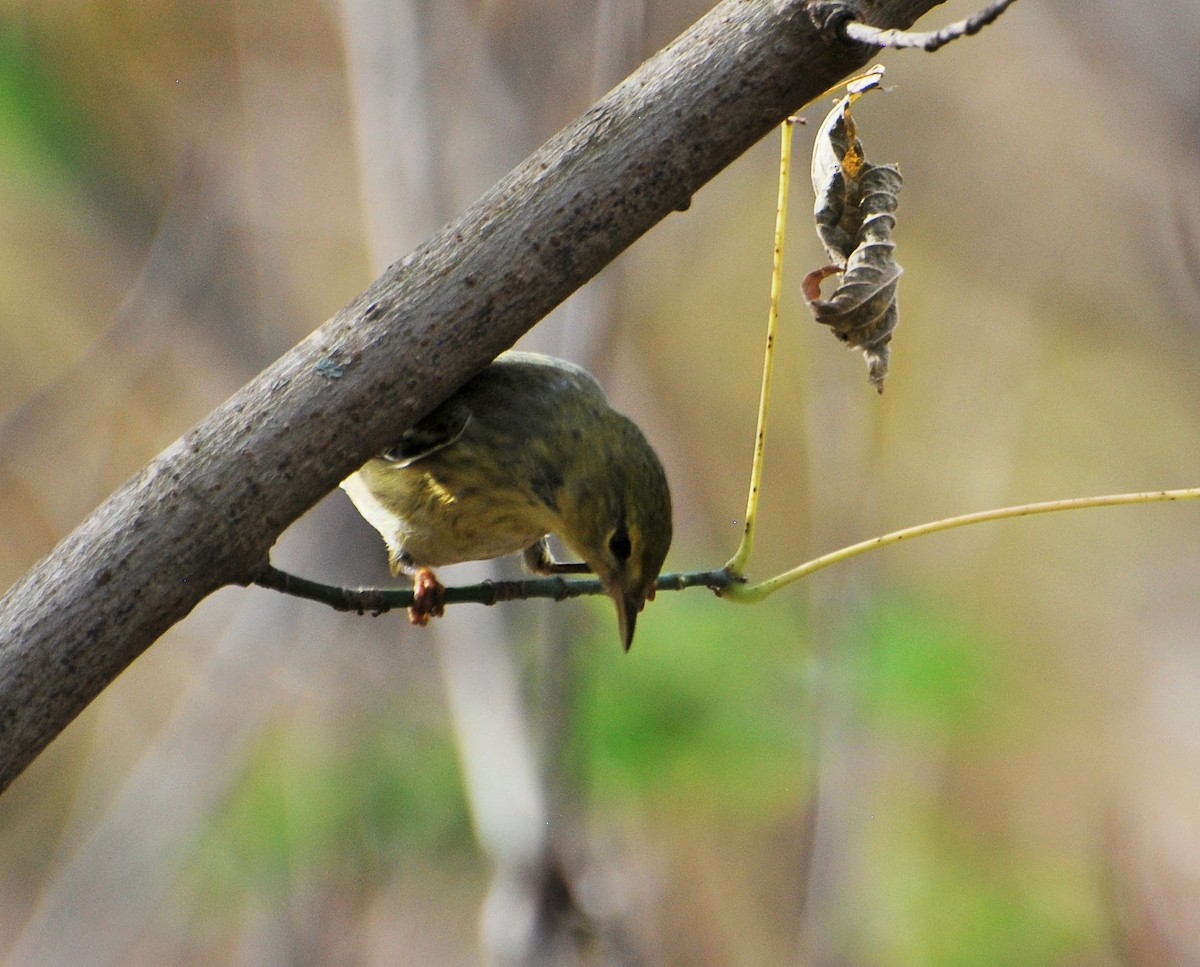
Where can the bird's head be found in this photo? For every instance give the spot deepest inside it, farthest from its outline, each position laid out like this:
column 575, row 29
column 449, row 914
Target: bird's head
column 619, row 520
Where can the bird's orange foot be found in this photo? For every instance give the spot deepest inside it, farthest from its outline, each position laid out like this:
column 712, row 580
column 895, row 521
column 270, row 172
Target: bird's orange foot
column 429, row 598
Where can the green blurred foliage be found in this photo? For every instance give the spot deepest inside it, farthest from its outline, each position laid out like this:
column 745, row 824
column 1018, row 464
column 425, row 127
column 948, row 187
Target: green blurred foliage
column 942, row 694
column 925, row 669
column 335, row 806
column 722, row 705
column 713, row 713
column 941, row 895
column 712, row 717
column 38, row 127
column 49, row 144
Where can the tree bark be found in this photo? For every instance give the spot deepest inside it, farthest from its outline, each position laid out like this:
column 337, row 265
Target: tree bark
column 205, row 512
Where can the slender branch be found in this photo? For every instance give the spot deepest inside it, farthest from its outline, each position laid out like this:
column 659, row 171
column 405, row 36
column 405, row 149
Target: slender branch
column 378, row 601
column 925, row 40
column 752, row 593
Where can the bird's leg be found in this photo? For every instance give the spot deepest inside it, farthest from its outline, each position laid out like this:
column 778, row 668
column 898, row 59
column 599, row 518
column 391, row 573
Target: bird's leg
column 429, row 597
column 540, row 561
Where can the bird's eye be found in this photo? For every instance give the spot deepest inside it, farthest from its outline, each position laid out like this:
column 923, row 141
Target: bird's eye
column 620, row 545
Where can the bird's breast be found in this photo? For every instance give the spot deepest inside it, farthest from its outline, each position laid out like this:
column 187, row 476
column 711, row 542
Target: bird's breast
column 437, row 517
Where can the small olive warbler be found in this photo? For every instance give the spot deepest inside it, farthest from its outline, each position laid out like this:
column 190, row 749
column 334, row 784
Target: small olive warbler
column 529, row 447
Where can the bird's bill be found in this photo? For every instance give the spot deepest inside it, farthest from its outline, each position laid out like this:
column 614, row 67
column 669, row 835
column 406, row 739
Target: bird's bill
column 628, row 608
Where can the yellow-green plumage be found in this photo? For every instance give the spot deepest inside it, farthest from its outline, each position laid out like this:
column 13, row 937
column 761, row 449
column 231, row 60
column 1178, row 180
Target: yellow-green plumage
column 530, row 446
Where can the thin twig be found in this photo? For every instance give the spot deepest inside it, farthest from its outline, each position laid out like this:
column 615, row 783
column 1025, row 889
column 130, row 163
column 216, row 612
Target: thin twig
column 378, row 601
column 926, row 40
column 752, row 593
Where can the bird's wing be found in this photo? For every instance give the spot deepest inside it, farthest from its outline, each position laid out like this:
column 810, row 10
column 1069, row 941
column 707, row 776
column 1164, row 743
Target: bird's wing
column 439, row 429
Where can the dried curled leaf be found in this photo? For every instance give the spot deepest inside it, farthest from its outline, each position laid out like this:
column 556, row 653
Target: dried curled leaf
column 855, row 216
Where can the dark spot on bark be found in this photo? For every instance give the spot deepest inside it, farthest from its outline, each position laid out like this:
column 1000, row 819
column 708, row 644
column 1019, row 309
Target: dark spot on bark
column 330, row 369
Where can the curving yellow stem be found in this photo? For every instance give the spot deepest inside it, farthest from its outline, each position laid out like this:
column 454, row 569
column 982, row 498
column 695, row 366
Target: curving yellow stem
column 751, row 593
column 736, row 566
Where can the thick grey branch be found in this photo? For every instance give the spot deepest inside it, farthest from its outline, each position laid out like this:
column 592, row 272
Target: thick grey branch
column 205, row 512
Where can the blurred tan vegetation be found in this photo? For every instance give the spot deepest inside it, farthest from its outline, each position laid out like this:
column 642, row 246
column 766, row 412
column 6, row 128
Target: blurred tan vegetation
column 976, row 749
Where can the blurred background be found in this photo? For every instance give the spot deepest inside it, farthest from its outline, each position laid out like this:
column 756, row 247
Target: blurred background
column 975, row 749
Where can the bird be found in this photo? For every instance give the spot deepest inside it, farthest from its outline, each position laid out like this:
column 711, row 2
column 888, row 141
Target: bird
column 528, row 447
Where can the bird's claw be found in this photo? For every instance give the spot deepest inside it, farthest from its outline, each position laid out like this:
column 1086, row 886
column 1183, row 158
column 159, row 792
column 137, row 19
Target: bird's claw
column 429, row 598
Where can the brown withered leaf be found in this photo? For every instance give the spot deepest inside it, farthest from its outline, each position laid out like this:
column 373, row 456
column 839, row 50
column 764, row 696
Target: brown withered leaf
column 855, row 216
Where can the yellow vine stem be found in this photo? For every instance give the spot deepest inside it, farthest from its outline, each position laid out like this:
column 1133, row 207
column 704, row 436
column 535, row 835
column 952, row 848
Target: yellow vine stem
column 749, row 594
column 736, row 566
